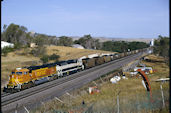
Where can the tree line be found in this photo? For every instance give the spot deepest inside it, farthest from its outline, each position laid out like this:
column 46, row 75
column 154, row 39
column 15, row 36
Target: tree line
column 20, row 37
column 161, row 47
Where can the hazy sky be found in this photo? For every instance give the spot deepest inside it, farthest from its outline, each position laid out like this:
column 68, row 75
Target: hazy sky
column 108, row 18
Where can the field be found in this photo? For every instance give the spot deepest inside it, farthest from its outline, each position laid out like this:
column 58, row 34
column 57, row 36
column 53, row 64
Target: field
column 132, row 95
column 22, row 58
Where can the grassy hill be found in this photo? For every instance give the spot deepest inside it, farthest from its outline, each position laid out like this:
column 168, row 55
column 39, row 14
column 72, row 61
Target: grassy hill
column 71, row 53
column 18, row 59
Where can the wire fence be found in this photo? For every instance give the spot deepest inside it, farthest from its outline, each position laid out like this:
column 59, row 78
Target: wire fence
column 137, row 103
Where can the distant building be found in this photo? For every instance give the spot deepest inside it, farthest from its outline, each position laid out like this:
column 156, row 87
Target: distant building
column 33, row 45
column 77, row 46
column 152, row 42
column 6, row 44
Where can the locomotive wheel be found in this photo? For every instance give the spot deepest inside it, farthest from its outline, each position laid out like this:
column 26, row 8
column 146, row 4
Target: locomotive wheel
column 13, row 91
column 51, row 78
column 23, row 86
column 55, row 77
column 27, row 86
column 30, row 84
column 67, row 73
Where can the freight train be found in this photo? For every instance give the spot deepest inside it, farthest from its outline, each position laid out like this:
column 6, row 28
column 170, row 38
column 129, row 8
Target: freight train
column 26, row 77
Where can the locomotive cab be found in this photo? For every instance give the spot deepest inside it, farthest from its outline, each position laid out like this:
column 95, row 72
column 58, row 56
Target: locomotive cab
column 17, row 78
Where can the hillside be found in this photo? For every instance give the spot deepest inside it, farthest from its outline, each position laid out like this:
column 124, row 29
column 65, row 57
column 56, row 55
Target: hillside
column 71, row 53
column 18, row 59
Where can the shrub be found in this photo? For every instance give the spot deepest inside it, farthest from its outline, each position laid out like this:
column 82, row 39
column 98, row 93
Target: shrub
column 17, row 46
column 44, row 58
column 39, row 51
column 6, row 50
column 54, row 57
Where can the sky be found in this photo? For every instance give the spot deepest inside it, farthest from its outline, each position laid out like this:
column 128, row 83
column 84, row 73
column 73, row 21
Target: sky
column 99, row 18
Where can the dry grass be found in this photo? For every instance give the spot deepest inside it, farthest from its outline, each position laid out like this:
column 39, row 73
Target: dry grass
column 162, row 70
column 71, row 53
column 131, row 91
column 155, row 58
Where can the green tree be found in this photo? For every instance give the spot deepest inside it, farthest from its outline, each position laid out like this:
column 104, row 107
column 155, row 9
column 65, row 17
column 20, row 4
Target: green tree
column 97, row 44
column 29, row 39
column 65, row 41
column 122, row 46
column 88, row 42
column 54, row 57
column 40, row 40
column 14, row 34
column 6, row 50
column 161, row 47
column 137, row 45
column 44, row 58
column 38, row 51
column 108, row 46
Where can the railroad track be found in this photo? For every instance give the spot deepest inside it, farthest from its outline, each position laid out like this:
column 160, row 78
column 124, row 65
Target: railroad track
column 5, row 94
column 11, row 98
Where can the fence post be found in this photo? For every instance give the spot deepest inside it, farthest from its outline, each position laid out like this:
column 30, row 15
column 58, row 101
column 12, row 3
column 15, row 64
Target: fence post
column 118, row 101
column 26, row 109
column 16, row 108
column 101, row 80
column 162, row 96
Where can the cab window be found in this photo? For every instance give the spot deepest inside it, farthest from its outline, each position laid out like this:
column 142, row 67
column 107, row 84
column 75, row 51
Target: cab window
column 25, row 73
column 19, row 73
column 12, row 73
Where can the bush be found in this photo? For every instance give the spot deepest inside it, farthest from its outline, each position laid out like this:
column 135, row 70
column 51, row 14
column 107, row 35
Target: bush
column 17, row 46
column 39, row 51
column 6, row 50
column 45, row 58
column 54, row 57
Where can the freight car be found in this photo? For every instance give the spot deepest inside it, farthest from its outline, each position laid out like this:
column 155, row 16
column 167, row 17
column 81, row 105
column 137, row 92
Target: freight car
column 107, row 58
column 112, row 56
column 88, row 62
column 125, row 54
column 115, row 56
column 122, row 55
column 99, row 60
column 133, row 52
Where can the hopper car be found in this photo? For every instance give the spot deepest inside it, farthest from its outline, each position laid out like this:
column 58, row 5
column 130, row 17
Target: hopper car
column 107, row 58
column 99, row 60
column 88, row 62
